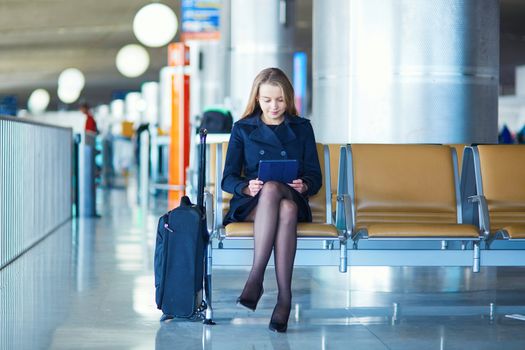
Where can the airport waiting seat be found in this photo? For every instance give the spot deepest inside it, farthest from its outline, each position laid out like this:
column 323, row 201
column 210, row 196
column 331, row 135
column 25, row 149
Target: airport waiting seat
column 211, row 170
column 212, row 142
column 493, row 189
column 407, row 192
column 323, row 227
column 334, row 149
column 222, row 198
column 459, row 147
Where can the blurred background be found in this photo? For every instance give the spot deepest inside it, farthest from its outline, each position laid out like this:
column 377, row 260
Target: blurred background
column 387, row 71
column 40, row 39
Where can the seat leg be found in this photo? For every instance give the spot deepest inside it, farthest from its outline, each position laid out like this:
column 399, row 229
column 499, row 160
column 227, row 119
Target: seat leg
column 476, row 264
column 343, row 259
column 328, row 245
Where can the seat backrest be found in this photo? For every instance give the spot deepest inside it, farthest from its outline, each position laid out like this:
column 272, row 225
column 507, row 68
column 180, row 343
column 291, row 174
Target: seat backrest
column 335, row 152
column 224, row 197
column 502, row 169
column 459, row 147
column 211, row 168
column 317, row 202
column 404, row 184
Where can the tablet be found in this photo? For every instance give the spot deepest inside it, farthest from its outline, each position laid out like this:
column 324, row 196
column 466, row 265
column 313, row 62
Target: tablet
column 283, row 170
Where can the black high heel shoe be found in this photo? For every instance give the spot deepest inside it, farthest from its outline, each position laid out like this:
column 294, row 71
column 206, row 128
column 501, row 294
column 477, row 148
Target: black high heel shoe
column 278, row 326
column 249, row 304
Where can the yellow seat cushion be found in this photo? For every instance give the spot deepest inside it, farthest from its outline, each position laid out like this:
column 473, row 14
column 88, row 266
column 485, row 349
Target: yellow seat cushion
column 515, row 231
column 421, row 230
column 502, row 176
column 401, row 184
column 245, row 229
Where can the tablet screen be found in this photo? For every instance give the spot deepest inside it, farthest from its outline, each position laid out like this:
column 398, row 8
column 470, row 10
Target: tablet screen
column 283, row 170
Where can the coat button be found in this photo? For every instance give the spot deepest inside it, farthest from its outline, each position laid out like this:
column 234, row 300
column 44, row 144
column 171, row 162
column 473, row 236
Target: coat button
column 283, row 153
column 261, row 152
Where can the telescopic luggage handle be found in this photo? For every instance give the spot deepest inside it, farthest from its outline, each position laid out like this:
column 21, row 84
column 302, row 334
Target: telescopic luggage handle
column 202, row 133
column 202, row 169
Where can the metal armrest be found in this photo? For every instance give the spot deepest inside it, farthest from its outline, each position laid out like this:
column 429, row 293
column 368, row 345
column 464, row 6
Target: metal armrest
column 502, row 234
column 483, row 210
column 344, row 218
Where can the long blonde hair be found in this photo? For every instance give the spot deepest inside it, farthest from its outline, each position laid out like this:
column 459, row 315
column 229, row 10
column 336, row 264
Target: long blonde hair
column 276, row 77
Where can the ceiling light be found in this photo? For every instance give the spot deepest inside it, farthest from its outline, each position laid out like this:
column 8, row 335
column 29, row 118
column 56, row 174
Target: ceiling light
column 71, row 79
column 132, row 60
column 155, row 25
column 38, row 101
column 68, row 95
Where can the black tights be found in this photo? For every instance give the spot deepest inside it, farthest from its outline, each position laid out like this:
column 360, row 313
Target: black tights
column 275, row 226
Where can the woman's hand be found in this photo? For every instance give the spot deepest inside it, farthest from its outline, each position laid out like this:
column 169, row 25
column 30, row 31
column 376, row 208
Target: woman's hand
column 299, row 186
column 254, row 186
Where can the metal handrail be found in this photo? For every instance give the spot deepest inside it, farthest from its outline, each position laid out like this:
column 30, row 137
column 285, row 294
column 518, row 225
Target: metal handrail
column 35, row 183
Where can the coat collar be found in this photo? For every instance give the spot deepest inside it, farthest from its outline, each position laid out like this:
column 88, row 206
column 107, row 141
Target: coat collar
column 264, row 134
column 255, row 119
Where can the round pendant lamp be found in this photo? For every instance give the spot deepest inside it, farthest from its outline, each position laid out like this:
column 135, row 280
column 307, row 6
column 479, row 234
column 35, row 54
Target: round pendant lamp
column 155, row 25
column 71, row 79
column 132, row 60
column 38, row 101
column 68, row 95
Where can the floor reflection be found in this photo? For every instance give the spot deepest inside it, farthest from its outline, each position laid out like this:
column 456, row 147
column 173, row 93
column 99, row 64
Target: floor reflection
column 35, row 292
column 84, row 253
column 90, row 285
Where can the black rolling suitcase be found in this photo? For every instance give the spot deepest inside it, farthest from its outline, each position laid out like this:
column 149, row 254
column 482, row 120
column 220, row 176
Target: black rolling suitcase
column 180, row 254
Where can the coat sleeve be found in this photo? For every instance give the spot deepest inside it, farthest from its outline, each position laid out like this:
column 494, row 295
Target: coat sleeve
column 312, row 170
column 232, row 181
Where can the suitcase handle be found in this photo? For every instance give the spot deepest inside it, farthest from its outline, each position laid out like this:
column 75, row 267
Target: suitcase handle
column 202, row 170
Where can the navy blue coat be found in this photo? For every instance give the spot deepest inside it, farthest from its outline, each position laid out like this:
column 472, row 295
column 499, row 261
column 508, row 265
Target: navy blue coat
column 251, row 141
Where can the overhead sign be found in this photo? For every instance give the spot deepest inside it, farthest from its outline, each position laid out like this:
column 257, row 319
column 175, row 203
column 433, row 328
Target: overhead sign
column 200, row 19
column 8, row 105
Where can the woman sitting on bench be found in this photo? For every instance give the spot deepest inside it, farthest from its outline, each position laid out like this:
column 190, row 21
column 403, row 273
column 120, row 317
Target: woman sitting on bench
column 270, row 129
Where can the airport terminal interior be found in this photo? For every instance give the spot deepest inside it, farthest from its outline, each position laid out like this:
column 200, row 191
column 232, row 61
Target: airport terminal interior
column 418, row 232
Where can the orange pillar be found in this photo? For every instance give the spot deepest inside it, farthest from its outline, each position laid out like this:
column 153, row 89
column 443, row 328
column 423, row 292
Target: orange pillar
column 178, row 56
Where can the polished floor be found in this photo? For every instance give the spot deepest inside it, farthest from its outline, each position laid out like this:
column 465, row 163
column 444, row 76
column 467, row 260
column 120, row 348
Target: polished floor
column 89, row 285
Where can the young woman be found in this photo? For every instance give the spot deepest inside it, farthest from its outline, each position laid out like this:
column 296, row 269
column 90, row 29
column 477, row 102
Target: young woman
column 270, row 129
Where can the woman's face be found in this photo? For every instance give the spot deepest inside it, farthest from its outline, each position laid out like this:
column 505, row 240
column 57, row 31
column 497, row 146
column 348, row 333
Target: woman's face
column 271, row 100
